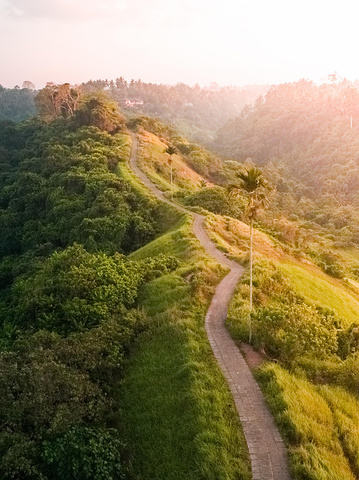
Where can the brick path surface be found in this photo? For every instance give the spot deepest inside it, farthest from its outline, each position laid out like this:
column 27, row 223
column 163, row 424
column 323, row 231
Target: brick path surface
column 266, row 449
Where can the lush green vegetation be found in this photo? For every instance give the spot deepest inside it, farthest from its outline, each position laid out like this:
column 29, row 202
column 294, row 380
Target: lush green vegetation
column 301, row 133
column 16, row 104
column 305, row 317
column 105, row 365
column 178, row 412
column 68, row 295
column 196, row 112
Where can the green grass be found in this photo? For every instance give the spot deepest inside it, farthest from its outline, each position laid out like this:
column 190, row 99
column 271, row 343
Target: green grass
column 155, row 163
column 345, row 409
column 307, row 424
column 179, row 417
column 166, row 216
column 178, row 240
column 321, row 290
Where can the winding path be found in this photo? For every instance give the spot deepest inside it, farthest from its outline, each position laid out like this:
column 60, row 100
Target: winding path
column 266, row 449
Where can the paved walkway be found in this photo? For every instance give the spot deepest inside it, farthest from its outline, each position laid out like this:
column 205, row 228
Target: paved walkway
column 266, row 449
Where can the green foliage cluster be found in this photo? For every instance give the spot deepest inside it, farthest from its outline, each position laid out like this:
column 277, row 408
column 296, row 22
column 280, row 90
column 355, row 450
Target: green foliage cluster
column 68, row 296
column 85, row 453
column 54, row 100
column 214, row 199
column 16, row 104
column 292, row 330
column 57, row 188
column 329, row 261
column 198, row 158
column 53, row 387
column 99, row 111
column 287, row 325
column 53, row 383
column 196, row 112
column 74, row 290
column 301, row 133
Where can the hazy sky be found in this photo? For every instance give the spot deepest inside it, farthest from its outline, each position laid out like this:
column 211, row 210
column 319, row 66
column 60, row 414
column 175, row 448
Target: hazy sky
column 233, row 42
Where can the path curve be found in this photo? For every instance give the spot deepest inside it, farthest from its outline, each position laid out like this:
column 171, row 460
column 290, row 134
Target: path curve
column 266, row 449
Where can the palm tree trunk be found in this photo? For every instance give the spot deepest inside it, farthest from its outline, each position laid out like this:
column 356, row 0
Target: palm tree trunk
column 171, row 184
column 250, row 278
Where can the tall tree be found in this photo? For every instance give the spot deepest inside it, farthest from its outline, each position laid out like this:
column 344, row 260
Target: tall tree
column 171, row 150
column 256, row 188
column 54, row 100
column 29, row 85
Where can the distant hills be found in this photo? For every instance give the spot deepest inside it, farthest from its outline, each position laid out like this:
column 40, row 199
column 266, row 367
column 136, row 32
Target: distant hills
column 307, row 138
column 196, row 112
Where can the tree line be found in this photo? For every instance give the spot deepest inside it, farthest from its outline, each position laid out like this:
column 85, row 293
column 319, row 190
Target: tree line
column 305, row 136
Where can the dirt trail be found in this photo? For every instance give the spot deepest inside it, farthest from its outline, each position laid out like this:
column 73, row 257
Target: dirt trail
column 266, row 449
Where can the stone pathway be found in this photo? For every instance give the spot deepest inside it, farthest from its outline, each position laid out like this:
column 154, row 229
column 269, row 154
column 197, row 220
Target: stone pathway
column 266, row 449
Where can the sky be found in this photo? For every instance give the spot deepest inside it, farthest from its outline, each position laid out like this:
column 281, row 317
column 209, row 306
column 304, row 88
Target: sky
column 231, row 42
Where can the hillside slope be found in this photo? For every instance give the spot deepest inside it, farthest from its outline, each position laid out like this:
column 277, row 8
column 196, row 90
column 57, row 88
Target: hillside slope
column 306, row 136
column 306, row 319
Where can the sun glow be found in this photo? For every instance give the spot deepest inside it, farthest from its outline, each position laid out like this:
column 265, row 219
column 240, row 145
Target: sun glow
column 229, row 42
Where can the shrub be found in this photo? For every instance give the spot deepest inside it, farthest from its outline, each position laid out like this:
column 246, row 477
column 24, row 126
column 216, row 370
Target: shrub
column 289, row 331
column 213, row 199
column 75, row 290
column 84, row 454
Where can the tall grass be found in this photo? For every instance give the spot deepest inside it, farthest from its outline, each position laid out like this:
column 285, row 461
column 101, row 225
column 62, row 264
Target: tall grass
column 307, row 424
column 323, row 290
column 345, row 409
column 153, row 160
column 179, row 417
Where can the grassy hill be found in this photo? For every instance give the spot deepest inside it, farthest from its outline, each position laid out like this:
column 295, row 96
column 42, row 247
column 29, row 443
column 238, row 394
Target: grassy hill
column 304, row 319
column 178, row 414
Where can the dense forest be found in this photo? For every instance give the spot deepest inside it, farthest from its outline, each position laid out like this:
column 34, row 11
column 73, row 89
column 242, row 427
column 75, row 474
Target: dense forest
column 196, row 112
column 17, row 103
column 67, row 291
column 306, row 138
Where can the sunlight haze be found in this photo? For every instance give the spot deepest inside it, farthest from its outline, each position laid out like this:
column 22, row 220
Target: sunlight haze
column 169, row 41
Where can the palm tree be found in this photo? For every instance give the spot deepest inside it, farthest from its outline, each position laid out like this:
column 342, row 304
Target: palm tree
column 171, row 150
column 255, row 187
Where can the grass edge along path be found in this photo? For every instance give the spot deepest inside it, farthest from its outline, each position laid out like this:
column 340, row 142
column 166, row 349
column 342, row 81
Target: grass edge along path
column 267, row 451
column 315, row 422
column 179, row 417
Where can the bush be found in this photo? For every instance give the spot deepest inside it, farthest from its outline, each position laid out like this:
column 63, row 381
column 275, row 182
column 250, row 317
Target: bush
column 98, row 110
column 329, row 263
column 289, row 331
column 75, row 290
column 84, row 454
column 213, row 199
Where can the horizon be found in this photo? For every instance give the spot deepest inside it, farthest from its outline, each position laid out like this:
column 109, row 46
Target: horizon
column 204, row 86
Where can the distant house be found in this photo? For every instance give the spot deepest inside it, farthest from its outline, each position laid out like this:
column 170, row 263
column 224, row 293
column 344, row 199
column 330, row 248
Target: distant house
column 133, row 103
